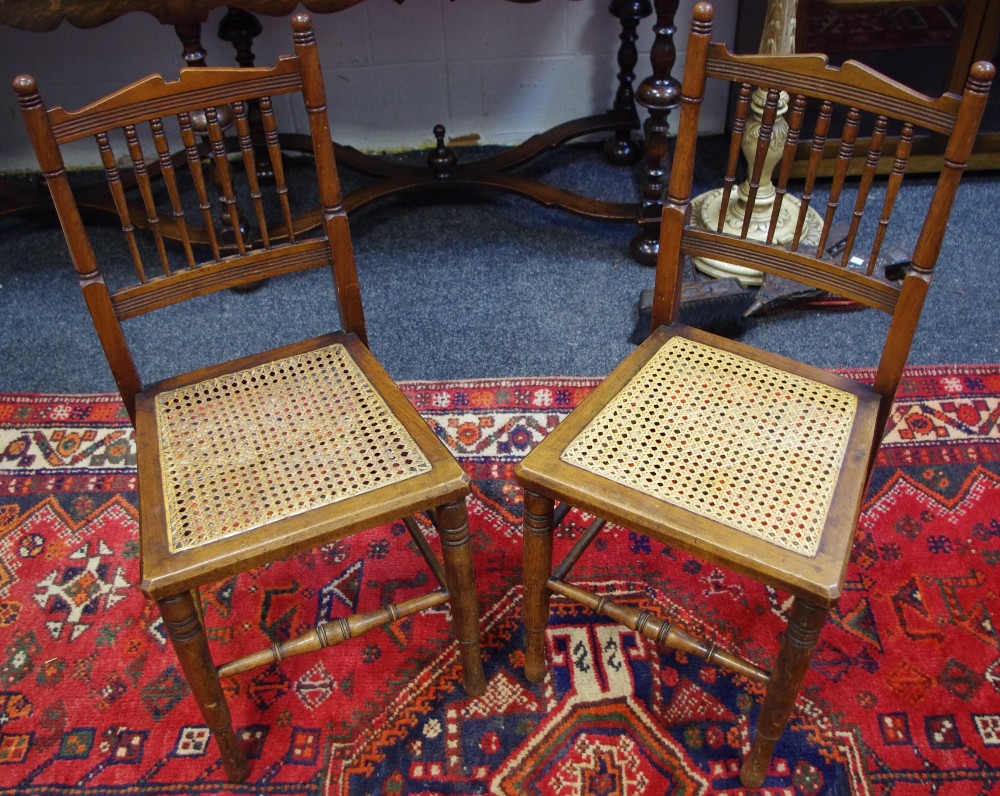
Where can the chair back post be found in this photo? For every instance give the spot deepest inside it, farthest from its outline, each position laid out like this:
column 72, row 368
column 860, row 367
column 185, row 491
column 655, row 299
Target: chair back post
column 334, row 215
column 677, row 207
column 95, row 291
column 925, row 254
column 956, row 157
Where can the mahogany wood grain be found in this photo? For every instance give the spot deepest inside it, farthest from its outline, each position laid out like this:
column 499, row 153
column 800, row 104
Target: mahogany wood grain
column 804, row 624
column 453, row 527
column 229, row 193
column 768, row 115
column 850, row 84
column 795, row 118
column 334, row 632
column 555, row 470
column 735, row 147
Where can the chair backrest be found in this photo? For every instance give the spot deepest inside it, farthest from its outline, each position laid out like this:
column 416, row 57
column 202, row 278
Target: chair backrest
column 201, row 211
column 817, row 94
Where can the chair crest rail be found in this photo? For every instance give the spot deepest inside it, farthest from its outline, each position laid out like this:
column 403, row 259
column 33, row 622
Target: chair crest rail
column 811, row 75
column 153, row 97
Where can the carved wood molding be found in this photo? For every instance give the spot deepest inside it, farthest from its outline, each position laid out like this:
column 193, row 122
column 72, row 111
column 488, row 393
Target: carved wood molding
column 852, row 83
column 34, row 16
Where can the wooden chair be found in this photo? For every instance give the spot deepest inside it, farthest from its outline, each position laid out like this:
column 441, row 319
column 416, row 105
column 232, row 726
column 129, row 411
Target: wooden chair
column 256, row 459
column 750, row 460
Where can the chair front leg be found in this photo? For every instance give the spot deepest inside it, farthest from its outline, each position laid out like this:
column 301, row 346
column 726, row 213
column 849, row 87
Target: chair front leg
column 536, row 568
column 187, row 634
column 453, row 525
column 787, row 675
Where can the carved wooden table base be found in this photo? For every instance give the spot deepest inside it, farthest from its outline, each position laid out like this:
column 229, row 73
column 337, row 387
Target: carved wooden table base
column 659, row 93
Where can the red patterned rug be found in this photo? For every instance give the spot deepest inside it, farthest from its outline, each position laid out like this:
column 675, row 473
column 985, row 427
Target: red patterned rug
column 904, row 696
column 834, row 28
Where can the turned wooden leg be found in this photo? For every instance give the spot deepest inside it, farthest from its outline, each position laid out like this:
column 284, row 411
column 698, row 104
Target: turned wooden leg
column 453, row 525
column 240, row 28
column 790, row 669
column 659, row 93
column 193, row 53
column 536, row 568
column 187, row 634
column 621, row 150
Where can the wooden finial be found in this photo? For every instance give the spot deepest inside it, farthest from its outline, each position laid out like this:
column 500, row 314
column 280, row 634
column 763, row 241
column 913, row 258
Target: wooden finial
column 302, row 29
column 27, row 90
column 981, row 76
column 702, row 15
column 441, row 160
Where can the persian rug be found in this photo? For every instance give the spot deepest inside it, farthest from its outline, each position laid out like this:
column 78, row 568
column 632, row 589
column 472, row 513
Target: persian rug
column 834, row 28
column 903, row 696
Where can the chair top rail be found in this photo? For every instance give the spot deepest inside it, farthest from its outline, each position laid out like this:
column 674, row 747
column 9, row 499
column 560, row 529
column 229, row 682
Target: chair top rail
column 153, row 97
column 852, row 84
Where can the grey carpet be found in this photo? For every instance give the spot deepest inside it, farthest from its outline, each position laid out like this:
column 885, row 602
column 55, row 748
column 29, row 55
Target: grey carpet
column 478, row 284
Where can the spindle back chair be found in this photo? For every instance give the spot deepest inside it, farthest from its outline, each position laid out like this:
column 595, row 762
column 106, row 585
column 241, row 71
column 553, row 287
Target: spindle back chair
column 755, row 462
column 253, row 460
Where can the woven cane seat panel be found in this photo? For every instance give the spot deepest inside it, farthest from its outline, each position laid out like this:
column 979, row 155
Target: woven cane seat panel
column 273, row 441
column 741, row 443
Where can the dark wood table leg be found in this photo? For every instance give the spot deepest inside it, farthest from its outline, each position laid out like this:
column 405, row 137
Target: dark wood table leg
column 621, row 149
column 17, row 198
column 240, row 28
column 194, row 53
column 659, row 93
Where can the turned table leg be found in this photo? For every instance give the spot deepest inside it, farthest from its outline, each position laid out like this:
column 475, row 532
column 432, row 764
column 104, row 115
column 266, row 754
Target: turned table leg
column 240, row 28
column 620, row 149
column 193, row 53
column 659, row 94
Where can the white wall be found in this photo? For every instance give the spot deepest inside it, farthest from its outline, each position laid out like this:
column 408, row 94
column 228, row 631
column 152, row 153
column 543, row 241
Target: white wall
column 500, row 70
